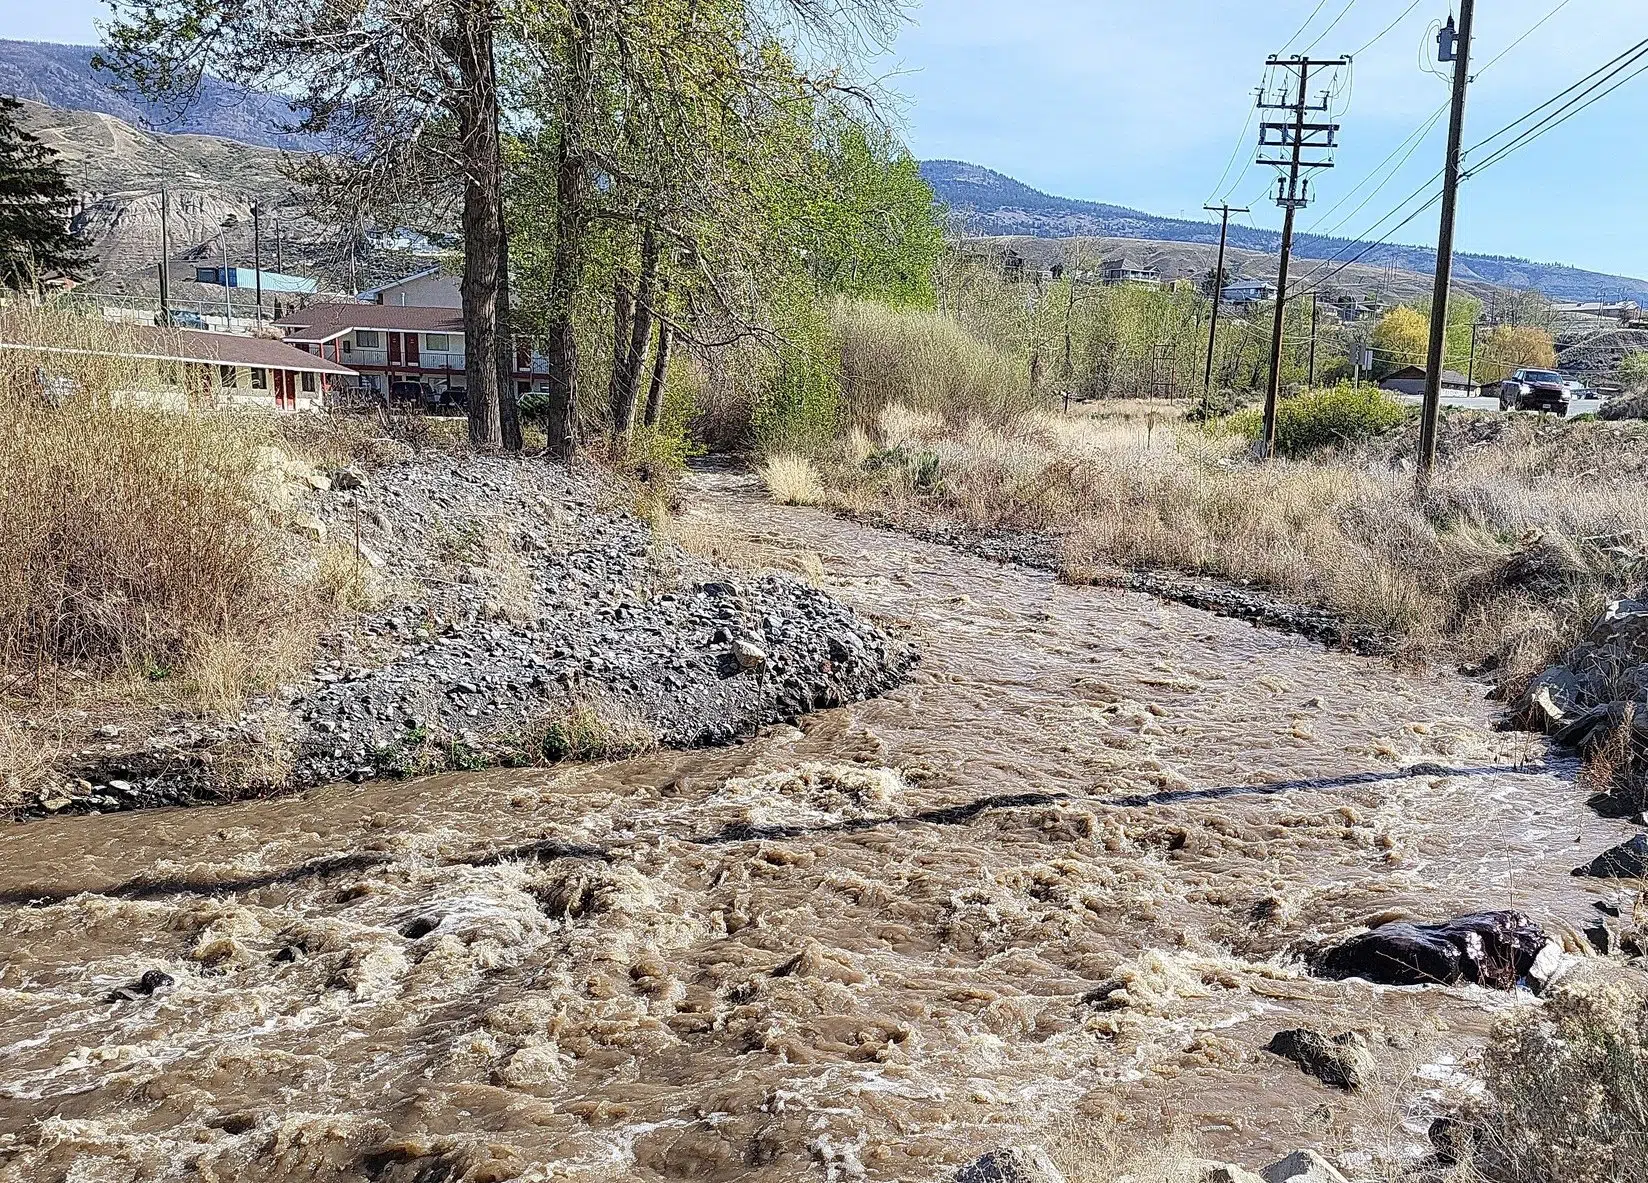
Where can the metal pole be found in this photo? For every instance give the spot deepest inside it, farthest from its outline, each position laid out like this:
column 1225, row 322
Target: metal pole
column 1470, row 376
column 1435, row 355
column 257, row 261
column 165, row 257
column 228, row 304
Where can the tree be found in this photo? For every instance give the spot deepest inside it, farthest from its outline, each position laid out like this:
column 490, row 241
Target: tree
column 1507, row 348
column 1400, row 339
column 1633, row 370
column 405, row 91
column 35, row 199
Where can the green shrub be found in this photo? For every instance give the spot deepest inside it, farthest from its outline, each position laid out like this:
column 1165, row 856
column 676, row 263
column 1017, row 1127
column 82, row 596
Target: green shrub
column 1325, row 418
column 926, row 360
column 798, row 406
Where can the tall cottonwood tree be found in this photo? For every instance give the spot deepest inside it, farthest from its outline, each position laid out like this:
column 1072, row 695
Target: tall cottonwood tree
column 35, row 204
column 406, row 93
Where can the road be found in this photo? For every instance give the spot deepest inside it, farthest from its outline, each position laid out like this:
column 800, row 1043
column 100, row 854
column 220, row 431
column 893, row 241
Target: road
column 1584, row 406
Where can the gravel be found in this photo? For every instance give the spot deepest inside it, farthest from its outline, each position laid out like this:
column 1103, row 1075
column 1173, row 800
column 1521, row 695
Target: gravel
column 515, row 596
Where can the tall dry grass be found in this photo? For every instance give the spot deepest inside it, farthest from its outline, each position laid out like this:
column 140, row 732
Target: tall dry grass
column 1496, row 559
column 135, row 542
column 926, row 360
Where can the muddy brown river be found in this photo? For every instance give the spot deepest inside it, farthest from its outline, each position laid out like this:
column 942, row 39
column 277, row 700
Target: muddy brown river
column 857, row 949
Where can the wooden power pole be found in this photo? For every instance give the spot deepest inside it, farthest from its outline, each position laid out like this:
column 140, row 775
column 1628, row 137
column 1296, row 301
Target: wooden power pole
column 1307, row 146
column 1224, row 211
column 1436, row 352
column 1315, row 316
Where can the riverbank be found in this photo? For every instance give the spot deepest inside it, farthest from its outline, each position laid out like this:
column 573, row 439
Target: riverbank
column 489, row 611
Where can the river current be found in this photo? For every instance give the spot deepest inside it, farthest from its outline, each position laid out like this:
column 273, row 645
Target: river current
column 868, row 947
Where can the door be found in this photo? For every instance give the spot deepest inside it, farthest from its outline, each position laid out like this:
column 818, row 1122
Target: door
column 411, row 349
column 285, row 396
column 394, row 348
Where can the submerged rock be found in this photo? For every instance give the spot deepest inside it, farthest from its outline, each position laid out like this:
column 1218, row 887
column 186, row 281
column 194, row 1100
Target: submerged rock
column 1492, row 949
column 1011, row 1164
column 1340, row 1061
column 154, row 981
column 1628, row 860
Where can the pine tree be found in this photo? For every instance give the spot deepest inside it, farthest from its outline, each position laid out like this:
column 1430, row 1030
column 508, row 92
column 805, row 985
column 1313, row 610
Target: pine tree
column 35, row 240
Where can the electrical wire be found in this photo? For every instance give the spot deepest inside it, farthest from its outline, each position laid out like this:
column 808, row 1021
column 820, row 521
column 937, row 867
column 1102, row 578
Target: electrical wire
column 1241, row 142
column 1411, row 145
column 1333, row 24
column 1611, row 69
column 1383, row 33
column 1320, row 4
column 1534, row 28
column 1557, row 118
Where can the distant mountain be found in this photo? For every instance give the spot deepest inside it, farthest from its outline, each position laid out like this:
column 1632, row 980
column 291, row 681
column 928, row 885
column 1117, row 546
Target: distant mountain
column 62, row 76
column 991, row 204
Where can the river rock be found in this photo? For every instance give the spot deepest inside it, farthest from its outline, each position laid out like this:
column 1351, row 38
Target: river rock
column 1492, row 949
column 1302, row 1166
column 154, row 981
column 1011, row 1164
column 310, row 526
column 1340, row 1061
column 1628, row 860
column 748, row 655
column 1226, row 1172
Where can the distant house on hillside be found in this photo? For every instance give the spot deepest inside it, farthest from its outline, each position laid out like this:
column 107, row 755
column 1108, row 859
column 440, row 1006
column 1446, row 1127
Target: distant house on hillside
column 1249, row 291
column 429, row 288
column 1126, row 269
column 1411, row 380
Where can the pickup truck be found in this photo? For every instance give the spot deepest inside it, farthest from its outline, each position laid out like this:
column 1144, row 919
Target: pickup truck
column 1536, row 390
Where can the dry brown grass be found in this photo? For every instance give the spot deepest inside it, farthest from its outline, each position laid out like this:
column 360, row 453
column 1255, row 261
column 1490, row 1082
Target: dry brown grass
column 28, row 755
column 1497, row 559
column 793, row 480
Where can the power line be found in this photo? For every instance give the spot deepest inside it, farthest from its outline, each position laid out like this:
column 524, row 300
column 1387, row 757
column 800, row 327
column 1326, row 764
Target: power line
column 1333, row 24
column 1383, row 33
column 1568, row 110
column 1633, row 53
column 1321, row 4
column 1411, row 144
column 1534, row 28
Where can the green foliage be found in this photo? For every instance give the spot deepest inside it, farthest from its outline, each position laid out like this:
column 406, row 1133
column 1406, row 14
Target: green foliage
column 1633, row 370
column 798, row 408
column 869, row 226
column 34, row 208
column 1324, row 418
column 922, row 359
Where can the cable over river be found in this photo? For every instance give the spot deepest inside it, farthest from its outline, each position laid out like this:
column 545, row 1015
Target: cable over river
column 870, row 947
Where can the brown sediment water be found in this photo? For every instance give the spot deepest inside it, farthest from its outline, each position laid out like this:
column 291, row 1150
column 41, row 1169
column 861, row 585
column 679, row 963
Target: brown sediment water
column 858, row 949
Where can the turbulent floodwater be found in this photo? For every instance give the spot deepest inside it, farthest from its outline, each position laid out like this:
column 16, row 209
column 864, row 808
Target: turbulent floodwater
column 858, row 949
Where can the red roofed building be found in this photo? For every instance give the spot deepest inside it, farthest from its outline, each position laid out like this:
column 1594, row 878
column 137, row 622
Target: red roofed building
column 396, row 344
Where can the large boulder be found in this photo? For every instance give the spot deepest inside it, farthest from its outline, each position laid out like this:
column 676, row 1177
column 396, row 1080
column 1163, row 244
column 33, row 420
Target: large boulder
column 1628, row 860
column 1491, row 949
column 1339, row 1061
column 1302, row 1166
column 1011, row 1164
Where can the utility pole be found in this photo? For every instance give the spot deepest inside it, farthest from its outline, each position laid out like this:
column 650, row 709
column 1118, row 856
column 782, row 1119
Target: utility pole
column 1470, row 375
column 165, row 257
column 1314, row 306
column 1224, row 211
column 1434, row 356
column 280, row 265
column 257, row 262
column 1308, row 146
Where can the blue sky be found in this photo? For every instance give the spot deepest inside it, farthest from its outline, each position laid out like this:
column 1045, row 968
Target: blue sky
column 1141, row 104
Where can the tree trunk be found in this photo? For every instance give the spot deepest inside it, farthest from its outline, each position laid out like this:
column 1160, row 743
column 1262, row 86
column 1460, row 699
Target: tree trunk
column 623, row 316
column 509, row 406
column 660, row 374
column 646, row 294
column 477, row 111
column 571, row 217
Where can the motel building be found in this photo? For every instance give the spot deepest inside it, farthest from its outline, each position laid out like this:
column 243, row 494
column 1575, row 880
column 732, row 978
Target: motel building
column 196, row 368
column 389, row 345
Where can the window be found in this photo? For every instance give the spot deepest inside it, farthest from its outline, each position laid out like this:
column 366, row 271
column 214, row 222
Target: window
column 367, row 339
column 437, row 342
column 346, row 347
column 260, row 379
column 308, row 382
column 228, row 375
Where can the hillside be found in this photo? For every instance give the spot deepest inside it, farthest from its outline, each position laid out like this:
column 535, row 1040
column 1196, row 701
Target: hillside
column 63, row 76
column 990, row 204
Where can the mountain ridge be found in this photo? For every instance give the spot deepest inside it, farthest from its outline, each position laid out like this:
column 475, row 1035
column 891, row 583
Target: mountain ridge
column 992, row 204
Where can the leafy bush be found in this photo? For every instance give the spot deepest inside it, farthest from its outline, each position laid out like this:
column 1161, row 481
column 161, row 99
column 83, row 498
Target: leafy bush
column 1324, row 418
column 925, row 360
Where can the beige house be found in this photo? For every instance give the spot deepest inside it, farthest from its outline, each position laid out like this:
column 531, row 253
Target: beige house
column 195, row 368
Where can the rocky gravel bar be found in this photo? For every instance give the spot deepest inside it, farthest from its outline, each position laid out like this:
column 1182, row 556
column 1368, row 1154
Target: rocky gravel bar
column 517, row 615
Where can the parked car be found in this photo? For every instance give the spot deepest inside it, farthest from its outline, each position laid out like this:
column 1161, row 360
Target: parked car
column 1535, row 390
column 187, row 320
